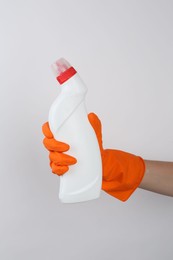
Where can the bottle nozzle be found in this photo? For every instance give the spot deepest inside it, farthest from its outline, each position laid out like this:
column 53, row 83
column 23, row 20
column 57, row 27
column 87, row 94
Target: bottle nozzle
column 62, row 70
column 60, row 66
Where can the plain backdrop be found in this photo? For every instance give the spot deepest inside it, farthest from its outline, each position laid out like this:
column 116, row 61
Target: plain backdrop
column 123, row 51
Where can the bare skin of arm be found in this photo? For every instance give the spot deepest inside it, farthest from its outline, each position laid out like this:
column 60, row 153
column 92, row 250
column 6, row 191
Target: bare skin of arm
column 158, row 177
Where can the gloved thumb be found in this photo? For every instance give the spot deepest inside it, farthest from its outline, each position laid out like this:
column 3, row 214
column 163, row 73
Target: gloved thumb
column 97, row 126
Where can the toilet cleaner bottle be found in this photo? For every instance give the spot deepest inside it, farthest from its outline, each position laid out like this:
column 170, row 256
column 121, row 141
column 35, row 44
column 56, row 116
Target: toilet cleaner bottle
column 68, row 121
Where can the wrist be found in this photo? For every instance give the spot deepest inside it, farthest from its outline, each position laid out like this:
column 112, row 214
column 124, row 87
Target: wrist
column 122, row 173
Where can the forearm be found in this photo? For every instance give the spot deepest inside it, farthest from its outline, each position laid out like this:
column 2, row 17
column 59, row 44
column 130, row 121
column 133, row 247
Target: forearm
column 158, row 177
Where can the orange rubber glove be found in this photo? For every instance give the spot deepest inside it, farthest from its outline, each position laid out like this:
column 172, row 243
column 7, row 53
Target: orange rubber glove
column 122, row 171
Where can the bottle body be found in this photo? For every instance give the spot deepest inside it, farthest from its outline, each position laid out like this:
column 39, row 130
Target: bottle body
column 68, row 120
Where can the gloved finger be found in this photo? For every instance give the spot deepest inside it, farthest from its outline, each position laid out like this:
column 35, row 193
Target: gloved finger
column 59, row 169
column 96, row 124
column 46, row 130
column 62, row 159
column 53, row 145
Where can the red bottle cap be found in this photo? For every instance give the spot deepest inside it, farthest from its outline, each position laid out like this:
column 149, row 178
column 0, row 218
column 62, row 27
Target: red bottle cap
column 63, row 70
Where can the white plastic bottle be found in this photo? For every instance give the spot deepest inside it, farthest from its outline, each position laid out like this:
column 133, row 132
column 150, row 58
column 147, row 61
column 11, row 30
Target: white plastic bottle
column 68, row 120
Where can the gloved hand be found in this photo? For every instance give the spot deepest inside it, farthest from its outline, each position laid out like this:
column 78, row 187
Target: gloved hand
column 122, row 171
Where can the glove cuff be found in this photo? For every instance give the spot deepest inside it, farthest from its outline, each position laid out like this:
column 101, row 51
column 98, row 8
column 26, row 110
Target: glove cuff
column 122, row 173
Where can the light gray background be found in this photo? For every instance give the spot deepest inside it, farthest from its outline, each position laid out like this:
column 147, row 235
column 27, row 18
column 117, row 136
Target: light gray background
column 123, row 50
